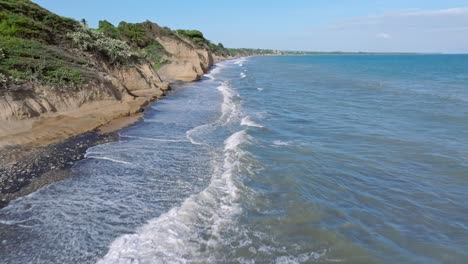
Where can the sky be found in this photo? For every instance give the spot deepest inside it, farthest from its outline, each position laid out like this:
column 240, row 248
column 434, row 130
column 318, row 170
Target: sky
column 309, row 25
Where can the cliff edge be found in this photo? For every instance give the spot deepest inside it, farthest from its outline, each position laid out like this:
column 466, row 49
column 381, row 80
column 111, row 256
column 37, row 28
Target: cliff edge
column 59, row 78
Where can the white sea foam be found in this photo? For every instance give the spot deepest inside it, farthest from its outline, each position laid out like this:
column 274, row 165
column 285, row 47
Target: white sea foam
column 235, row 140
column 229, row 108
column 240, row 61
column 215, row 71
column 260, row 89
column 154, row 139
column 14, row 223
column 8, row 222
column 281, row 143
column 302, row 258
column 247, row 121
column 187, row 233
column 190, row 134
column 243, row 75
column 108, row 159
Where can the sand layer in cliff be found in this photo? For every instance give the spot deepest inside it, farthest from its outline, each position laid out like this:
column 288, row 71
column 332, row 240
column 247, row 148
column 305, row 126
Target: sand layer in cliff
column 53, row 128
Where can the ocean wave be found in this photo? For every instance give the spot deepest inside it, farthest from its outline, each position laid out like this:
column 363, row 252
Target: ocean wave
column 240, row 62
column 192, row 230
column 247, row 121
column 214, row 71
column 154, row 139
column 107, row 159
column 229, row 108
column 242, row 75
column 190, row 134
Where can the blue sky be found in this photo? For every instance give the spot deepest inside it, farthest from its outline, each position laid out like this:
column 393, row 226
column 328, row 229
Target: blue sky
column 321, row 25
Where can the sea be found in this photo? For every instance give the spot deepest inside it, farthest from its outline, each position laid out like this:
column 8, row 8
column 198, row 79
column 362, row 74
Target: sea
column 271, row 159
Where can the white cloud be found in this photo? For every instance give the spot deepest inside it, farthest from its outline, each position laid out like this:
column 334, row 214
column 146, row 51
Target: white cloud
column 440, row 12
column 383, row 36
column 409, row 18
column 440, row 30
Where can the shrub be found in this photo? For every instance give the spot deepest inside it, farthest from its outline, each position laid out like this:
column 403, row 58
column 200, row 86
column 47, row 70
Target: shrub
column 191, row 34
column 108, row 29
column 23, row 18
column 134, row 33
column 116, row 51
column 156, row 54
column 30, row 60
column 218, row 49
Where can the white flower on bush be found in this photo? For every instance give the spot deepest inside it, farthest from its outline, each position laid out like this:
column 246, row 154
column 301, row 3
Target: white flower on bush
column 91, row 40
column 3, row 79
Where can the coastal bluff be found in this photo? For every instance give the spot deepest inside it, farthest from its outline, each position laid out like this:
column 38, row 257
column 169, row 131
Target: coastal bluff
column 65, row 87
column 60, row 78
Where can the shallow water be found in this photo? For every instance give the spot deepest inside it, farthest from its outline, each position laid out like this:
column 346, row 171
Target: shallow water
column 311, row 159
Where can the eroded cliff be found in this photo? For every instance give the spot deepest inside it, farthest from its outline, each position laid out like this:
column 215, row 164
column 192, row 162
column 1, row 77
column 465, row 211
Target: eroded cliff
column 77, row 79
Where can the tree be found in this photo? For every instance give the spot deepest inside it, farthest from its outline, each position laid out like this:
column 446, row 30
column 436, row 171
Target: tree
column 84, row 23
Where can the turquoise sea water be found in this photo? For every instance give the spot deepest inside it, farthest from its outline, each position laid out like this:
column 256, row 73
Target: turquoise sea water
column 301, row 159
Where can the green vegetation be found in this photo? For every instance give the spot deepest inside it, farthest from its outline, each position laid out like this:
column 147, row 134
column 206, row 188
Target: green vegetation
column 193, row 35
column 134, row 34
column 108, row 29
column 156, row 54
column 115, row 51
column 250, row 52
column 30, row 60
column 24, row 19
column 39, row 46
column 199, row 41
column 139, row 37
column 27, row 33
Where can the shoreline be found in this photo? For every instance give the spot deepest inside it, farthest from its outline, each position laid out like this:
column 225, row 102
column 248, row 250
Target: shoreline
column 26, row 168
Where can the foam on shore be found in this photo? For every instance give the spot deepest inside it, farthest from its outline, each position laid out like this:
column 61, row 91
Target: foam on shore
column 181, row 234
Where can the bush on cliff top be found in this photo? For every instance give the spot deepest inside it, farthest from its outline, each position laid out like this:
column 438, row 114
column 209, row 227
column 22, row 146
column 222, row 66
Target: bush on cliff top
column 194, row 36
column 108, row 29
column 199, row 41
column 139, row 37
column 135, row 34
column 25, row 19
column 116, row 51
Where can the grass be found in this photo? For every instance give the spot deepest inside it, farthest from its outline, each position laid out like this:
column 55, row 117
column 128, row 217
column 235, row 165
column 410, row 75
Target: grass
column 31, row 60
column 29, row 40
column 24, row 19
column 156, row 54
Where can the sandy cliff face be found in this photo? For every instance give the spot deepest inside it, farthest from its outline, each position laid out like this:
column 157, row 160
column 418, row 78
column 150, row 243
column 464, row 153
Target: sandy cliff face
column 186, row 62
column 37, row 114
